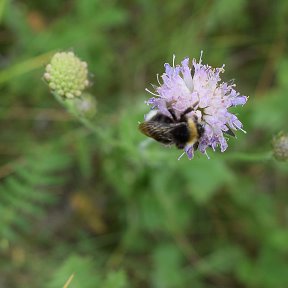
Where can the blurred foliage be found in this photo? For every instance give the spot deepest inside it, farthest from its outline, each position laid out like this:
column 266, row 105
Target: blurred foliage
column 102, row 208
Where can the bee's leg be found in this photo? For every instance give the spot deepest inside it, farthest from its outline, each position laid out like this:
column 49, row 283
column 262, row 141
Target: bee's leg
column 195, row 146
column 188, row 110
column 172, row 112
column 195, row 104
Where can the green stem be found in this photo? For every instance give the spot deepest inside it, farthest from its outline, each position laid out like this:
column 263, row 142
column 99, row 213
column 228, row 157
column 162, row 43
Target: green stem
column 87, row 123
column 246, row 157
column 69, row 105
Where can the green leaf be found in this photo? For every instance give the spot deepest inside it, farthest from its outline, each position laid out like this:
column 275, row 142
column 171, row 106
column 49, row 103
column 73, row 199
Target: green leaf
column 204, row 177
column 115, row 279
column 84, row 272
column 167, row 270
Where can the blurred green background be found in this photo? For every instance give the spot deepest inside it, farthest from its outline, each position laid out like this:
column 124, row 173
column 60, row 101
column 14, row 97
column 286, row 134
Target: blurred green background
column 103, row 207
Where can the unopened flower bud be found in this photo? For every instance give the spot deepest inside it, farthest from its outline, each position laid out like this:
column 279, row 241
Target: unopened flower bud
column 280, row 146
column 86, row 105
column 67, row 75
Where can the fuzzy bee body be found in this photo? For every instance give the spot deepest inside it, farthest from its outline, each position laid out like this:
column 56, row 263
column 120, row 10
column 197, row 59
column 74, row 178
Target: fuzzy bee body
column 181, row 132
column 166, row 133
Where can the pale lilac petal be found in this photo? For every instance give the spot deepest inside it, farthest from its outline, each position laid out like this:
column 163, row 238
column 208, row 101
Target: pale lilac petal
column 239, row 101
column 186, row 72
column 189, row 152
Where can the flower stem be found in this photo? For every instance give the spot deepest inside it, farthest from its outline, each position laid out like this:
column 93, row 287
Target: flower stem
column 245, row 157
column 68, row 105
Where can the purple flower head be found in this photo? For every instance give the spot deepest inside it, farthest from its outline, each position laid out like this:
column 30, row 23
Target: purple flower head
column 203, row 90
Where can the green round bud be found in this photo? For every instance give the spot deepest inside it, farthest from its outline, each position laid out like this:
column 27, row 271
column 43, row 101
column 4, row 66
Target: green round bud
column 86, row 105
column 280, row 146
column 66, row 75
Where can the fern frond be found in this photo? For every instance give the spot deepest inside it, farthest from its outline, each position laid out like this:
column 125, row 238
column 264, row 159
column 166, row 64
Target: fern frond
column 26, row 193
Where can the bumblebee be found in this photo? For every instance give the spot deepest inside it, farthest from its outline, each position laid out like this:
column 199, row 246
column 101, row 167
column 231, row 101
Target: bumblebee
column 180, row 131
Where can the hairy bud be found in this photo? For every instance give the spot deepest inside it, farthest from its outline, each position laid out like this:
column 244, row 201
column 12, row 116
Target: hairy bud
column 86, row 105
column 280, row 146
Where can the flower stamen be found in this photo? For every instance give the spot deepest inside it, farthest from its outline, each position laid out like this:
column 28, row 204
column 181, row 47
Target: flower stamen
column 146, row 89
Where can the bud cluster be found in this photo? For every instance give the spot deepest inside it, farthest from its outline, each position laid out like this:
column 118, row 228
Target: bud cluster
column 67, row 75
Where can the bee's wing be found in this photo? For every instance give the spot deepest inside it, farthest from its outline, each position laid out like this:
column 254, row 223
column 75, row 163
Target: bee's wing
column 158, row 117
column 161, row 132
